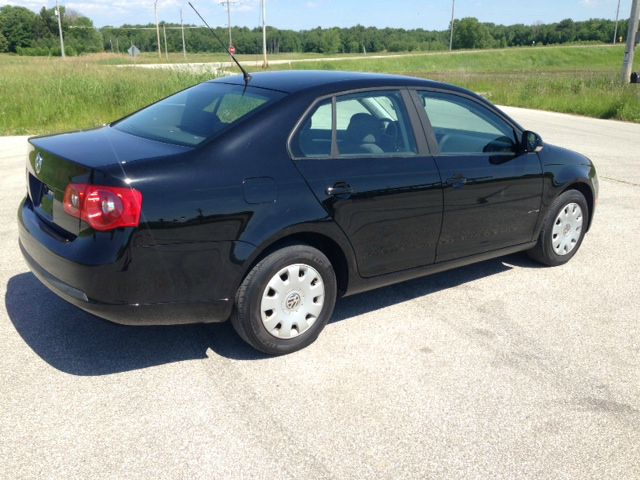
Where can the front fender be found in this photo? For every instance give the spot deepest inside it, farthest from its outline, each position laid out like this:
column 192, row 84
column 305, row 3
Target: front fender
column 564, row 169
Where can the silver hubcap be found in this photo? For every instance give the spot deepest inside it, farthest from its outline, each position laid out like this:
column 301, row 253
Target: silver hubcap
column 292, row 301
column 567, row 229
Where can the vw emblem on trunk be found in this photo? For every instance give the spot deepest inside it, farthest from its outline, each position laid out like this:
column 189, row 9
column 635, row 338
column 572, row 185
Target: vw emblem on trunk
column 38, row 164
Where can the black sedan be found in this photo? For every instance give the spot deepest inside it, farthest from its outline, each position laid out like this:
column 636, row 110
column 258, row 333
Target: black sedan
column 265, row 201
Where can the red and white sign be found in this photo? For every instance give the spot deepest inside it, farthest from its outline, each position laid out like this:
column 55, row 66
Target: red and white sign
column 232, row 50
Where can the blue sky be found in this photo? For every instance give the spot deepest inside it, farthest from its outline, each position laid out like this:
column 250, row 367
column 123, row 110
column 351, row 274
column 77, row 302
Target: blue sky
column 304, row 14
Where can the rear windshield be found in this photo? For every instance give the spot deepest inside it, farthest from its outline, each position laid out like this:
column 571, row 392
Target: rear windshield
column 197, row 114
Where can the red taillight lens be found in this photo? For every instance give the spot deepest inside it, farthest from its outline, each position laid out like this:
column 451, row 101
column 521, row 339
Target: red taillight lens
column 103, row 208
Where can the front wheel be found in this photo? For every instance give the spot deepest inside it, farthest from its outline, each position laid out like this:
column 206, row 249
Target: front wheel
column 286, row 300
column 563, row 229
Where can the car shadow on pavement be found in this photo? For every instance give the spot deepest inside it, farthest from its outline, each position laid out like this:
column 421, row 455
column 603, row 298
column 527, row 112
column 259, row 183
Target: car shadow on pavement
column 79, row 343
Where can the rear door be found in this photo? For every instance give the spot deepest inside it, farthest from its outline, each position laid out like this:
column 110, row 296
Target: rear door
column 367, row 162
column 492, row 191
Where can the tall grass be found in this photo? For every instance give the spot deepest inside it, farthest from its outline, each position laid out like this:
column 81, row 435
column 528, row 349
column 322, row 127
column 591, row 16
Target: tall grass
column 581, row 80
column 42, row 95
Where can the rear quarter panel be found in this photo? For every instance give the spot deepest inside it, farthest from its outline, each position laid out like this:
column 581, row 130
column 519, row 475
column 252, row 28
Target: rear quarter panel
column 212, row 211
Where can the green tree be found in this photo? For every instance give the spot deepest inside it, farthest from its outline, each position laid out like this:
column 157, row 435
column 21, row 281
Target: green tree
column 4, row 44
column 81, row 34
column 17, row 26
column 331, row 42
column 470, row 33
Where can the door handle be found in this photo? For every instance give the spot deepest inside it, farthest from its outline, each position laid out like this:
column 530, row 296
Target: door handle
column 340, row 188
column 457, row 181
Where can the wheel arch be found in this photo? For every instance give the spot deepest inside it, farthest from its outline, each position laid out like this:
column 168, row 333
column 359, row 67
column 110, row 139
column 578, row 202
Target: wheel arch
column 338, row 251
column 585, row 189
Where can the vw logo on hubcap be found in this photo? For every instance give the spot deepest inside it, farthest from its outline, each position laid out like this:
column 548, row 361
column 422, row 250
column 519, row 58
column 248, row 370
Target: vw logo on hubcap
column 293, row 301
column 38, row 164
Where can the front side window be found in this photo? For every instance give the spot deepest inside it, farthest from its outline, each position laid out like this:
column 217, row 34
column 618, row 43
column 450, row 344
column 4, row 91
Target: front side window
column 366, row 124
column 464, row 127
column 197, row 114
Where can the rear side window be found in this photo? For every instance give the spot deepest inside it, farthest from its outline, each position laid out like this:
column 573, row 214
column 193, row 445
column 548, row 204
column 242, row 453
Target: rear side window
column 314, row 138
column 465, row 127
column 371, row 124
column 197, row 114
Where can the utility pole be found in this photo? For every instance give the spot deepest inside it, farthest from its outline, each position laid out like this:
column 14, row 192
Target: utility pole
column 265, row 62
column 453, row 17
column 60, row 29
column 184, row 45
column 166, row 48
column 631, row 42
column 228, row 3
column 615, row 33
column 155, row 8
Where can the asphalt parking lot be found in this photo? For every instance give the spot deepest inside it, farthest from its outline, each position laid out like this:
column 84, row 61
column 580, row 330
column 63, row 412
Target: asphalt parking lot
column 497, row 370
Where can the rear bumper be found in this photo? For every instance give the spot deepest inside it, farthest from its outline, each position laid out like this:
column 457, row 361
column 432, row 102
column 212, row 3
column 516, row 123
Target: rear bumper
column 74, row 282
column 132, row 314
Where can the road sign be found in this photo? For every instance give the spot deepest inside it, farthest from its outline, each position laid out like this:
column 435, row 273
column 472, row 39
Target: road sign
column 232, row 50
column 133, row 51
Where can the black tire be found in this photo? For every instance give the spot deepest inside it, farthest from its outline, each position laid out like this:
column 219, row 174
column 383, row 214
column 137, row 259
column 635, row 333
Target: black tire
column 544, row 252
column 246, row 318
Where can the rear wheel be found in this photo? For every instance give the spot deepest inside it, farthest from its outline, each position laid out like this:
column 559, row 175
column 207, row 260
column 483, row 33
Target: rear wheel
column 563, row 229
column 286, row 300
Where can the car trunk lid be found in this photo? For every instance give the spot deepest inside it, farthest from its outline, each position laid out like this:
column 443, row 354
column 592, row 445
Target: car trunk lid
column 81, row 157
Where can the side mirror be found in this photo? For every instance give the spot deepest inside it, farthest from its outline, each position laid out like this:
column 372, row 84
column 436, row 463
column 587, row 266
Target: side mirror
column 531, row 142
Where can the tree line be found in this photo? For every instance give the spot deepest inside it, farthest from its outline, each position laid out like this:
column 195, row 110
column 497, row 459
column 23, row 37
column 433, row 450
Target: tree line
column 469, row 33
column 27, row 33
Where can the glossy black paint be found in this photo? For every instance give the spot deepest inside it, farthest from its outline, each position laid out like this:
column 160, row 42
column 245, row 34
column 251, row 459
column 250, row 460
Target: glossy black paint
column 210, row 212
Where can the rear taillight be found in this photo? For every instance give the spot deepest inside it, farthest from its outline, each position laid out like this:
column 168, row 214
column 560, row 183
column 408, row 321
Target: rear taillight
column 103, row 208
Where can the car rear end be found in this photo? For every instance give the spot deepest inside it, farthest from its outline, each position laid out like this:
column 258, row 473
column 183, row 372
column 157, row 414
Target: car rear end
column 74, row 233
column 108, row 220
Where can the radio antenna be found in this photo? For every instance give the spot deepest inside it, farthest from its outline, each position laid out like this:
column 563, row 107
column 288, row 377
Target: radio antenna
column 245, row 74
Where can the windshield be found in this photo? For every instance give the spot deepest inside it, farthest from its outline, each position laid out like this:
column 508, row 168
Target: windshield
column 197, row 114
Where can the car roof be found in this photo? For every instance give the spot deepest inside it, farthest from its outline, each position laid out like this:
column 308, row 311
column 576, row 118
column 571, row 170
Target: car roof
column 293, row 81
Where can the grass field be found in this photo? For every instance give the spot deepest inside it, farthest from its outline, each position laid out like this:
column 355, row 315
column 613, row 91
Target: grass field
column 43, row 95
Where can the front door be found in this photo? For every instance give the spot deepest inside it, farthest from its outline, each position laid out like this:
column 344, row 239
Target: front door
column 492, row 192
column 359, row 154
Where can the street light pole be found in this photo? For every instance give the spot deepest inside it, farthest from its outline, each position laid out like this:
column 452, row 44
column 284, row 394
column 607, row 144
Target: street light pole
column 453, row 16
column 155, row 8
column 60, row 30
column 631, row 42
